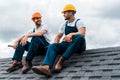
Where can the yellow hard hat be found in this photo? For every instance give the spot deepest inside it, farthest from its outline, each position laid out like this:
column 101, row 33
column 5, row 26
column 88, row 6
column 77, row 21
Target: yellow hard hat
column 36, row 14
column 69, row 7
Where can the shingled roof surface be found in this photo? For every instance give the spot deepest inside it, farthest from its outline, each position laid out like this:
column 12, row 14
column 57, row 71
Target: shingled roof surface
column 95, row 64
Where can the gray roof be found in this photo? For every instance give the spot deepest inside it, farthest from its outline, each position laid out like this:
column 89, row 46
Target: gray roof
column 95, row 64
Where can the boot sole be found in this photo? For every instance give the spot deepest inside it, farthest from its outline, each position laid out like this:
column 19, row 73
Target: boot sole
column 24, row 72
column 41, row 71
column 15, row 68
column 57, row 70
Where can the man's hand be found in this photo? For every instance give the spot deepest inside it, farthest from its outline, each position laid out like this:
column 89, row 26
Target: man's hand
column 68, row 38
column 24, row 40
column 70, row 35
column 15, row 45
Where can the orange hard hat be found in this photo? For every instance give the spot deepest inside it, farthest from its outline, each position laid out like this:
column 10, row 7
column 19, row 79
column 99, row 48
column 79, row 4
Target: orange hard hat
column 36, row 14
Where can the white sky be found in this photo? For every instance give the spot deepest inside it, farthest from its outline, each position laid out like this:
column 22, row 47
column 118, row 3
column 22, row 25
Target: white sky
column 101, row 17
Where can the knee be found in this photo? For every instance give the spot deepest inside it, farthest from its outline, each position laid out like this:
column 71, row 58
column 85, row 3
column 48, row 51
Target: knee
column 34, row 38
column 52, row 45
column 19, row 46
column 79, row 36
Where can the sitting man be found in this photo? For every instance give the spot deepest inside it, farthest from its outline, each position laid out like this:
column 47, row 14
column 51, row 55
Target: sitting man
column 40, row 39
column 73, row 42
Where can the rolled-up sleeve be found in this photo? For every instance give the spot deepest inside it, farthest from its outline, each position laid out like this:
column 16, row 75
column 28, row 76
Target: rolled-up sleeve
column 80, row 24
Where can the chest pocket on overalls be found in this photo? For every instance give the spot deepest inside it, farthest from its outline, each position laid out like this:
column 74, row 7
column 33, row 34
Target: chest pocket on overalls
column 70, row 29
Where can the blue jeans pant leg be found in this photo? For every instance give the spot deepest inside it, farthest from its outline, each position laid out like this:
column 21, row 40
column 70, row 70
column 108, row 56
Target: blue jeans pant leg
column 74, row 46
column 53, row 50
column 82, row 47
column 36, row 44
column 18, row 54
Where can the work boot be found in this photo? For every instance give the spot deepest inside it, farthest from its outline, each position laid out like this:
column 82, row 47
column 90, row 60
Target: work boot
column 59, row 64
column 15, row 66
column 45, row 70
column 26, row 67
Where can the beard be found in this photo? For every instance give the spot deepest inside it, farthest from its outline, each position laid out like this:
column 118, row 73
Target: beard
column 67, row 18
column 37, row 23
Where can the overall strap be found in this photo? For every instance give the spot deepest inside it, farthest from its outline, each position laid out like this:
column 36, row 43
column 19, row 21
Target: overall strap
column 66, row 23
column 33, row 29
column 76, row 22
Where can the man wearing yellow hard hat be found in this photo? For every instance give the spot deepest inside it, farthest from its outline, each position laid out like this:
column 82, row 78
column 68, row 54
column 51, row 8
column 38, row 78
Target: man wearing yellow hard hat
column 40, row 40
column 73, row 42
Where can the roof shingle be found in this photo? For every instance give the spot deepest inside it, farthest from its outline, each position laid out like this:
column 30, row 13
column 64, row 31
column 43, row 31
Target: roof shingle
column 95, row 64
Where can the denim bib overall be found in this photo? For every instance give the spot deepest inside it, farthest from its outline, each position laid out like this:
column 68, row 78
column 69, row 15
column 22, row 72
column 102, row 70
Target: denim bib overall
column 65, row 49
column 37, row 46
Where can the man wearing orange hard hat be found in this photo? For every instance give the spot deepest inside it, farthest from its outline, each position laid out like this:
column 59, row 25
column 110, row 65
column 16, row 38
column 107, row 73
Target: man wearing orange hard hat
column 40, row 39
column 73, row 30
column 36, row 15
